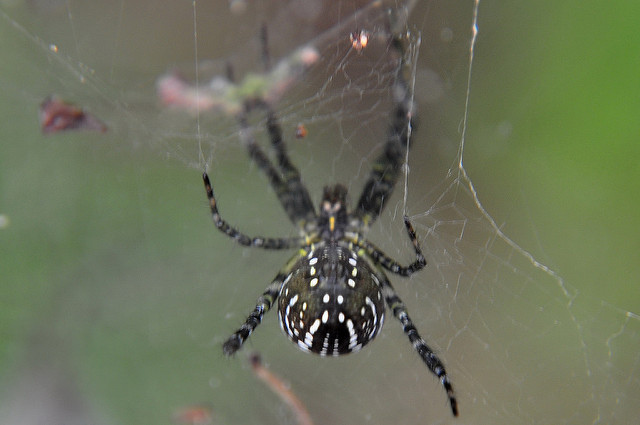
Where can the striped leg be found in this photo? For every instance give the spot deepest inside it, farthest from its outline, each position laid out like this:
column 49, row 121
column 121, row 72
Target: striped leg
column 266, row 300
column 387, row 167
column 241, row 238
column 297, row 202
column 387, row 262
column 428, row 356
column 285, row 179
column 385, row 170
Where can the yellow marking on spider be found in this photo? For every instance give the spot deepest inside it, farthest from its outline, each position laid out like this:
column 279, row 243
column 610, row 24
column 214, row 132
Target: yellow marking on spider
column 366, row 220
column 332, row 223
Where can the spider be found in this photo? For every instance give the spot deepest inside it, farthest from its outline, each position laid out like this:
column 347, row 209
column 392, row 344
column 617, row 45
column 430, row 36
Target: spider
column 331, row 294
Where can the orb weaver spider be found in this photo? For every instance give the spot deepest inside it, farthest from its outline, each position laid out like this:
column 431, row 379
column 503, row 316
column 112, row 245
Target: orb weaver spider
column 332, row 293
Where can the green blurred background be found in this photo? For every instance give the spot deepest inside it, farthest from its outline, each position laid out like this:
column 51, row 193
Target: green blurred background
column 566, row 73
column 108, row 258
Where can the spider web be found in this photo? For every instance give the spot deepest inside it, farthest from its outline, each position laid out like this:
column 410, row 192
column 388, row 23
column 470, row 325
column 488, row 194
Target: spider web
column 118, row 291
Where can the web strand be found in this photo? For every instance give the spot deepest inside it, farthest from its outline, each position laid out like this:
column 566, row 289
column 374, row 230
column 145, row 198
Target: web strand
column 201, row 159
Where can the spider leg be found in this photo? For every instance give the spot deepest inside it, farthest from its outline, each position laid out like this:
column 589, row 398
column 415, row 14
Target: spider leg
column 385, row 261
column 292, row 194
column 264, row 47
column 386, row 168
column 285, row 180
column 266, row 300
column 297, row 202
column 241, row 238
column 426, row 353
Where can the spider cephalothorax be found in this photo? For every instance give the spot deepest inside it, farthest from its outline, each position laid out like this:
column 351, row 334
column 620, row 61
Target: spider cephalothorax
column 332, row 294
column 333, row 212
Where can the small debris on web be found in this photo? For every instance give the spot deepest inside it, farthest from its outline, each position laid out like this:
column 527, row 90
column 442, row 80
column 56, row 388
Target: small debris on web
column 57, row 115
column 359, row 39
column 301, row 131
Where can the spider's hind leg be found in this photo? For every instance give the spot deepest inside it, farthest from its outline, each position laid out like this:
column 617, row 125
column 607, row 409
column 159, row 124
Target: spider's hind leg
column 426, row 353
column 264, row 304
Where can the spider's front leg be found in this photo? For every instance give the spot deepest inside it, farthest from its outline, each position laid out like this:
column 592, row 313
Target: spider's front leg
column 386, row 169
column 285, row 179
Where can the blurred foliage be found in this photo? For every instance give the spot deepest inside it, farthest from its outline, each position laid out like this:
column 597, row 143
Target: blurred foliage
column 560, row 79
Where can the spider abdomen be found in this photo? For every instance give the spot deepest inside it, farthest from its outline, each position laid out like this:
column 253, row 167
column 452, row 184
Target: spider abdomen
column 331, row 304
